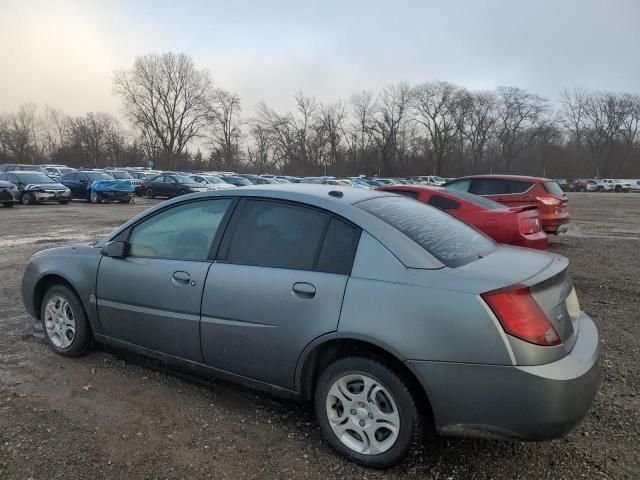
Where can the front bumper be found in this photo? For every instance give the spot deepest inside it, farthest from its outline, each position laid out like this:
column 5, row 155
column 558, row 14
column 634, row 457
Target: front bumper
column 9, row 195
column 51, row 196
column 113, row 195
column 540, row 402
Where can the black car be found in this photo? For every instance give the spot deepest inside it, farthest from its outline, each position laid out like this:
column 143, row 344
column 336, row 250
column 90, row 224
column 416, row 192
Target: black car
column 36, row 187
column 236, row 180
column 17, row 167
column 9, row 193
column 80, row 182
column 171, row 185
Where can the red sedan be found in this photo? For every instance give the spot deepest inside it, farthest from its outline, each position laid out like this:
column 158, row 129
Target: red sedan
column 516, row 191
column 515, row 226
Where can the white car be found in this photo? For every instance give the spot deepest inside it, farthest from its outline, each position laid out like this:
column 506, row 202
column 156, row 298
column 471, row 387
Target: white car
column 634, row 184
column 615, row 185
column 430, row 180
column 212, row 182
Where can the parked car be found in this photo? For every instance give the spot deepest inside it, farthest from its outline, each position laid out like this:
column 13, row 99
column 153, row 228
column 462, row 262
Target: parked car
column 520, row 191
column 298, row 290
column 510, row 225
column 634, row 185
column 235, row 180
column 171, row 185
column 617, row 185
column 56, row 171
column 13, row 167
column 36, row 187
column 212, row 182
column 96, row 186
column 9, row 193
column 138, row 183
column 592, row 185
column 602, row 186
column 577, row 185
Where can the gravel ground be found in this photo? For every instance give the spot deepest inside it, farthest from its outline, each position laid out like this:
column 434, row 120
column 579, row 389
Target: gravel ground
column 112, row 414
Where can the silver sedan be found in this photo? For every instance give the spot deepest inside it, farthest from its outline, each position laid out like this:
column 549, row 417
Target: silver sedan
column 389, row 315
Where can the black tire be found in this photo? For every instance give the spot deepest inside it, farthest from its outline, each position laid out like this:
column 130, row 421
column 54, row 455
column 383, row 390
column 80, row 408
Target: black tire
column 8, row 204
column 83, row 338
column 410, row 431
column 149, row 193
column 28, row 199
column 63, row 202
column 182, row 192
column 618, row 189
column 600, row 189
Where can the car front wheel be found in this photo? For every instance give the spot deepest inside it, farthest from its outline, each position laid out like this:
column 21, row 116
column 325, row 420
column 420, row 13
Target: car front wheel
column 149, row 193
column 65, row 322
column 95, row 197
column 28, row 199
column 366, row 411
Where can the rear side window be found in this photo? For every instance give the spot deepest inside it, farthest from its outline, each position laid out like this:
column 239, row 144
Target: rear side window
column 448, row 239
column 475, row 199
column 339, row 248
column 553, row 188
column 462, row 185
column 495, row 186
column 274, row 234
column 443, row 203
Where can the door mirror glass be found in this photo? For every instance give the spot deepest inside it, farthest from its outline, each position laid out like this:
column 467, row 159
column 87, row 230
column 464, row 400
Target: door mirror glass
column 116, row 249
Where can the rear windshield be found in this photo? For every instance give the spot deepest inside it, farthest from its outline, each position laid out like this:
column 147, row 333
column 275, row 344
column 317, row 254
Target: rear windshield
column 476, row 199
column 119, row 174
column 553, row 188
column 33, row 178
column 448, row 239
column 99, row 177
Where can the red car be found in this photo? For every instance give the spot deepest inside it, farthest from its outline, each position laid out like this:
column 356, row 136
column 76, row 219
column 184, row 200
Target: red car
column 515, row 226
column 518, row 191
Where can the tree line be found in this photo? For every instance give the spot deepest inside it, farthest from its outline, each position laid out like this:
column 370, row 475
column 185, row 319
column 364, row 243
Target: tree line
column 173, row 111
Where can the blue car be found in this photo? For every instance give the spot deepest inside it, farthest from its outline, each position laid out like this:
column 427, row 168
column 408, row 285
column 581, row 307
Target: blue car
column 97, row 186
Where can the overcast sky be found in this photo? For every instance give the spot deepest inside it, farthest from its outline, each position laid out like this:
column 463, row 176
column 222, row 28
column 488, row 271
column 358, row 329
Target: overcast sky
column 63, row 53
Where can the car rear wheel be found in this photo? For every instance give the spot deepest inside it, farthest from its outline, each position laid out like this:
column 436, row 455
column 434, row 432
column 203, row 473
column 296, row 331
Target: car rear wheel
column 366, row 411
column 8, row 204
column 149, row 193
column 63, row 202
column 28, row 199
column 182, row 192
column 65, row 322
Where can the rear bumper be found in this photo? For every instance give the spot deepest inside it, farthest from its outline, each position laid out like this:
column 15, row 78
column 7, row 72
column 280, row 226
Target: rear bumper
column 539, row 241
column 531, row 403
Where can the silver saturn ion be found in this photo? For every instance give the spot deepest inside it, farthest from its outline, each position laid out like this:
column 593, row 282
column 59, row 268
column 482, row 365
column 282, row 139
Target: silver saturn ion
column 390, row 315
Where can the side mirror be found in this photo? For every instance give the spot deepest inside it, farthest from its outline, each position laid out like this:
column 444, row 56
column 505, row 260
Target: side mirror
column 115, row 249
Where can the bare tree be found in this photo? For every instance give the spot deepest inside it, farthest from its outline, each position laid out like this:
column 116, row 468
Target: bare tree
column 226, row 129
column 358, row 133
column 19, row 134
column 479, row 118
column 331, row 120
column 167, row 95
column 91, row 133
column 391, row 113
column 437, row 107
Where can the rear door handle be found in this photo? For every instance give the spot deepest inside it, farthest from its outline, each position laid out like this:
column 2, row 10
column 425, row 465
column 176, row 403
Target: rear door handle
column 181, row 277
column 303, row 290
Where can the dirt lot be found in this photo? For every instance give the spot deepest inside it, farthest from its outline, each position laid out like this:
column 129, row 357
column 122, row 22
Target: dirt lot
column 116, row 415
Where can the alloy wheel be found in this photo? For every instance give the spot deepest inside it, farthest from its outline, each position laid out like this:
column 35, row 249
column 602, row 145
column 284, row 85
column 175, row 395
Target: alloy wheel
column 59, row 321
column 363, row 414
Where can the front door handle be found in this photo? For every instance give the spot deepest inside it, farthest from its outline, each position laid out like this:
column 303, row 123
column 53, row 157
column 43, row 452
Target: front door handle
column 181, row 277
column 303, row 290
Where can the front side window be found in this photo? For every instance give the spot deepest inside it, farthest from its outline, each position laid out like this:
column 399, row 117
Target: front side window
column 99, row 177
column 448, row 239
column 273, row 234
column 184, row 232
column 554, row 189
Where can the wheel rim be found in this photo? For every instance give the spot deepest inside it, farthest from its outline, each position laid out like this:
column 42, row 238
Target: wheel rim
column 59, row 322
column 26, row 198
column 94, row 197
column 149, row 193
column 363, row 414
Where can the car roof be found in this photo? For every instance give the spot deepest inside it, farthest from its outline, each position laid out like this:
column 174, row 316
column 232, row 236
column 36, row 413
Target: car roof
column 524, row 178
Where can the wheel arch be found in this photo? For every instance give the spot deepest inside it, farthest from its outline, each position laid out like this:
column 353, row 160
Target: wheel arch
column 329, row 348
column 46, row 282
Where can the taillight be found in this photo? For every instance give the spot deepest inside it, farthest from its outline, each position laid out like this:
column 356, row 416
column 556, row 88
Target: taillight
column 528, row 225
column 520, row 315
column 549, row 201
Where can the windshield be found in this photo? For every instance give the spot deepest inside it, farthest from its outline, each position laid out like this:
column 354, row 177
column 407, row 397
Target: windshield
column 448, row 239
column 553, row 188
column 181, row 179
column 98, row 176
column 28, row 178
column 120, row 174
column 476, row 199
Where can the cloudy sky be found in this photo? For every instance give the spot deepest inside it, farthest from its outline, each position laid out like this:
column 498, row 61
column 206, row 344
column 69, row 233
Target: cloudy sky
column 63, row 53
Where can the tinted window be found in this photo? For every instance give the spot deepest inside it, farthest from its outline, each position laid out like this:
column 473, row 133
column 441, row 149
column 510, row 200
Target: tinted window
column 181, row 179
column 120, row 174
column 184, row 232
column 69, row 177
column 339, row 247
column 443, row 203
column 553, row 188
column 272, row 234
column 451, row 241
column 494, row 186
column 98, row 177
column 462, row 185
column 475, row 199
column 214, row 180
column 406, row 193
